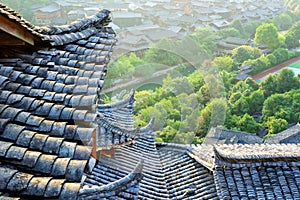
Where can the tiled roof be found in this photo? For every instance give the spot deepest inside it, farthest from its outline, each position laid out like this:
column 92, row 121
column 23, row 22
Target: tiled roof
column 185, row 177
column 153, row 184
column 49, row 117
column 120, row 113
column 220, row 135
column 258, row 182
column 47, row 108
column 254, row 171
column 257, row 153
column 290, row 135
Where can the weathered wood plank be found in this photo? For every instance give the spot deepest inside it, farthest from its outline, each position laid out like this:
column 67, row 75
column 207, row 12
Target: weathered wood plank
column 16, row 30
column 9, row 40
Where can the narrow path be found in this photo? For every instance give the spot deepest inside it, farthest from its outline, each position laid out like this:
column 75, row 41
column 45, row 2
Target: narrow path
column 276, row 68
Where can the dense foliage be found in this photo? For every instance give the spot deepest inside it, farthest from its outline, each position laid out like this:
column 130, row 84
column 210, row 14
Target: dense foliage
column 186, row 106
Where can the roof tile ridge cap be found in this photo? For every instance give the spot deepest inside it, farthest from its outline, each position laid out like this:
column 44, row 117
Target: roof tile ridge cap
column 218, row 154
column 111, row 186
column 149, row 127
column 196, row 155
column 103, row 17
column 174, row 145
column 122, row 103
column 28, row 25
column 254, row 155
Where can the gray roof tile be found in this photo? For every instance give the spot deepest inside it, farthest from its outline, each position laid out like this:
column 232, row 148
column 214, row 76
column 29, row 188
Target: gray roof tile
column 70, row 191
column 25, row 138
column 38, row 141
column 15, row 152
column 67, row 150
column 37, row 186
column 75, row 170
column 60, row 166
column 30, row 158
column 52, row 145
column 6, row 175
column 54, row 188
column 12, row 131
column 4, row 147
column 19, row 182
column 45, row 163
column 39, row 93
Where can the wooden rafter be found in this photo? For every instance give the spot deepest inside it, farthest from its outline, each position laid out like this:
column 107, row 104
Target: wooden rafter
column 15, row 30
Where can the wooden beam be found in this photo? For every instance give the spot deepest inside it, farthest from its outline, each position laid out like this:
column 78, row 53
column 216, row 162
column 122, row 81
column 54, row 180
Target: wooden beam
column 16, row 30
column 94, row 145
column 9, row 40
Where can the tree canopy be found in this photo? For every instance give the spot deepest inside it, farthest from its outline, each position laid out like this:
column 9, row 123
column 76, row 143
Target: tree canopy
column 267, row 33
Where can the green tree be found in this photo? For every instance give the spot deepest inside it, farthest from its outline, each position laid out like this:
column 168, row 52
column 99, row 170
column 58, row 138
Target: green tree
column 190, row 124
column 281, row 54
column 243, row 87
column 203, row 94
column 231, row 121
column 229, row 32
column 240, row 106
column 267, row 34
column 256, row 101
column 269, row 85
column 272, row 59
column 121, row 68
column 180, row 85
column 295, row 30
column 244, row 52
column 213, row 115
column 143, row 99
column 283, row 21
column 227, row 79
column 164, row 53
column 196, row 79
column 260, row 64
column 279, row 106
column 290, row 40
column 159, row 113
column 253, row 84
column 206, row 39
column 296, row 105
column 223, row 63
column 248, row 124
column 250, row 28
column 286, row 81
column 237, row 24
column 275, row 125
column 166, row 134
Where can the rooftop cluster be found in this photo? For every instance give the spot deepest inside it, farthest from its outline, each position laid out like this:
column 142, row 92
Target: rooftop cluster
column 57, row 142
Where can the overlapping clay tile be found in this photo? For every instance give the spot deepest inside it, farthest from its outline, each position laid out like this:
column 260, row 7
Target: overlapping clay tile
column 47, row 108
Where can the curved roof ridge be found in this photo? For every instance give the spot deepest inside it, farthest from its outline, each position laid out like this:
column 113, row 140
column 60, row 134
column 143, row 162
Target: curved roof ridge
column 60, row 35
column 203, row 154
column 253, row 153
column 287, row 136
column 119, row 104
column 147, row 128
column 99, row 191
column 132, row 133
column 172, row 146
